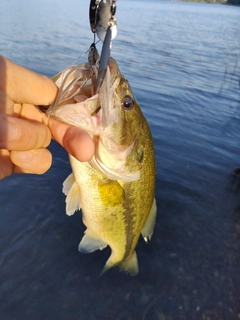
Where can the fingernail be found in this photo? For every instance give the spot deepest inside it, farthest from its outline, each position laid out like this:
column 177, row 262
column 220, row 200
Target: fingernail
column 24, row 156
column 8, row 130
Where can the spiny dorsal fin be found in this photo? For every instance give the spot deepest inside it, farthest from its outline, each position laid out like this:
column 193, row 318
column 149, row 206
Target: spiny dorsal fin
column 147, row 230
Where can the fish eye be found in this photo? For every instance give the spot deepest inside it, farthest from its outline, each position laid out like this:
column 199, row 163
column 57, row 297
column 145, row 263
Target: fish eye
column 128, row 103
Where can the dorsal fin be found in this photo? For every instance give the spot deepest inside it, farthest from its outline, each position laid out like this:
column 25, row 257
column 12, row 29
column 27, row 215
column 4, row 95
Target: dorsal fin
column 148, row 227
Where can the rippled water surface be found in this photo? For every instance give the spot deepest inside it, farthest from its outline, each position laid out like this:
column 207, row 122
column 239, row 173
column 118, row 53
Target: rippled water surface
column 183, row 62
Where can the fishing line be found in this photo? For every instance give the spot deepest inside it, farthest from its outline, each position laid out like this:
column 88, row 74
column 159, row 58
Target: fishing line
column 83, row 54
column 226, row 80
column 72, row 67
column 190, row 23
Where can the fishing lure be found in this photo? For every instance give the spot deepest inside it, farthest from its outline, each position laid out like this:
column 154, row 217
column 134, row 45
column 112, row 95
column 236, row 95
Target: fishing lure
column 101, row 16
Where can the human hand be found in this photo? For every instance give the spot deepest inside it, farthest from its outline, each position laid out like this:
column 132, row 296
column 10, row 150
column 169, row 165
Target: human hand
column 25, row 132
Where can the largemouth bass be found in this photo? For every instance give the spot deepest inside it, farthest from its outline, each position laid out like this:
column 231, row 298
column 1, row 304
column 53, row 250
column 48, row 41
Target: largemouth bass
column 115, row 190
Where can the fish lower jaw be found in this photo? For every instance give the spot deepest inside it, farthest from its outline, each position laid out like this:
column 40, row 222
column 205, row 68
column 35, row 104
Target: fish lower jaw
column 116, row 173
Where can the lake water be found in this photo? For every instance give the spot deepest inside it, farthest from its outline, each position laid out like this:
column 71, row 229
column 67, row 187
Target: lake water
column 183, row 63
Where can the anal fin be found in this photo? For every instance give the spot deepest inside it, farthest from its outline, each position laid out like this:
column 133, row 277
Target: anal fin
column 90, row 243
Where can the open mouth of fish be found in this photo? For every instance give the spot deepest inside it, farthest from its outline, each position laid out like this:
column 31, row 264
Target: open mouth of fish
column 77, row 86
column 97, row 111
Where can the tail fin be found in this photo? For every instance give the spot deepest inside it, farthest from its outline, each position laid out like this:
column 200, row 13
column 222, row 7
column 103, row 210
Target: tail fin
column 130, row 265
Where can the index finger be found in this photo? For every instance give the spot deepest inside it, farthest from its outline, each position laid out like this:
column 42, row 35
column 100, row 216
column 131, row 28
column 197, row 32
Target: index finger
column 20, row 85
column 76, row 141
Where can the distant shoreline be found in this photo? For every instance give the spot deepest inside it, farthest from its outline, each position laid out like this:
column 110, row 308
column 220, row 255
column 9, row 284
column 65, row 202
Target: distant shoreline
column 229, row 2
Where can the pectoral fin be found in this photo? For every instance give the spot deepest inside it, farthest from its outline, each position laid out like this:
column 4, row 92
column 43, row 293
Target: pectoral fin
column 147, row 230
column 111, row 193
column 90, row 243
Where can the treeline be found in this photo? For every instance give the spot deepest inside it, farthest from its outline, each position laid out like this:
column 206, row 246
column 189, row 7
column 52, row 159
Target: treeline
column 235, row 2
column 230, row 2
column 207, row 1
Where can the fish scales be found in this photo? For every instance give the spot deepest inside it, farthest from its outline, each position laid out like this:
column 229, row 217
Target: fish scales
column 139, row 199
column 115, row 190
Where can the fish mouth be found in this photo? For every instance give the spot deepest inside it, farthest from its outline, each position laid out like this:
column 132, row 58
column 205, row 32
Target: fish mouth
column 78, row 104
